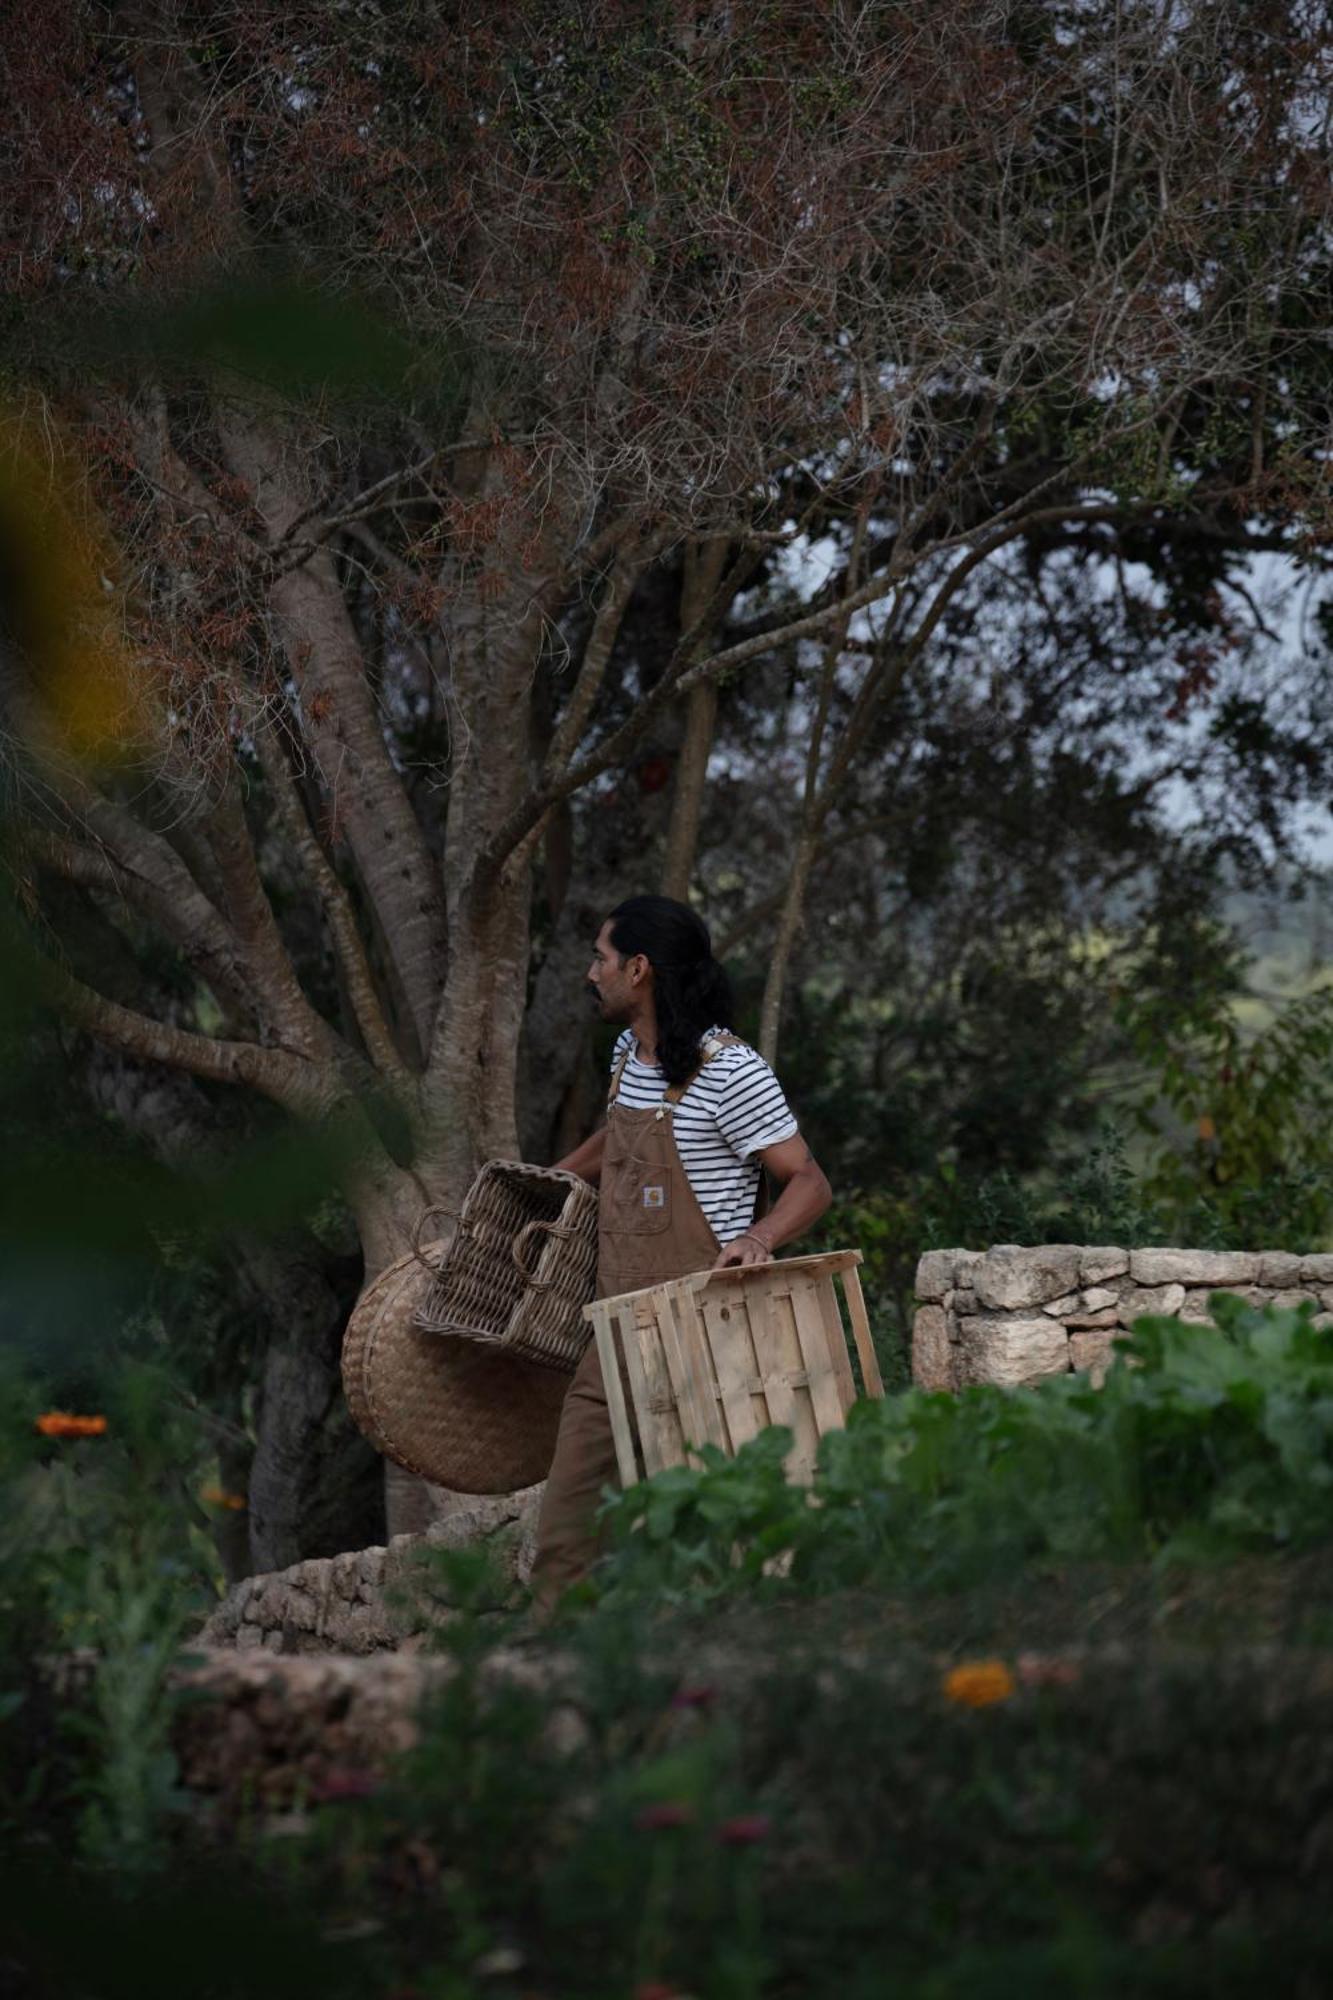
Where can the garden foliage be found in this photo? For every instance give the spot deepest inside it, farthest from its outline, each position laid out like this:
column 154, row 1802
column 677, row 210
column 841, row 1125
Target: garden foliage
column 1202, row 1440
column 756, row 1759
column 106, row 1562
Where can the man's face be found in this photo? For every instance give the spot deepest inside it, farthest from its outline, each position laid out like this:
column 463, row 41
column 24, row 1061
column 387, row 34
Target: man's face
column 614, row 983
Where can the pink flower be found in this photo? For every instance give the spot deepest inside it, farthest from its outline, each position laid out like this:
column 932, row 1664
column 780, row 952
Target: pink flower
column 694, row 1697
column 665, row 1812
column 745, row 1830
column 344, row 1781
column 1046, row 1670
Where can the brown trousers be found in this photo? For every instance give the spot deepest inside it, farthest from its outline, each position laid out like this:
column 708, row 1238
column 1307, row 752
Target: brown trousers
column 650, row 1229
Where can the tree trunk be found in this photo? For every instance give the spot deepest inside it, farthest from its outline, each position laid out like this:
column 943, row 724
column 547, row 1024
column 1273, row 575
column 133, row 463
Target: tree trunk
column 814, row 802
column 316, row 1485
column 311, row 1481
column 369, row 807
column 704, row 564
column 688, row 799
column 789, row 925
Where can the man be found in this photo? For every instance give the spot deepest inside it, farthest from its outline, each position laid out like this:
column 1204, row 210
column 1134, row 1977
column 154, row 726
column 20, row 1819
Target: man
column 694, row 1120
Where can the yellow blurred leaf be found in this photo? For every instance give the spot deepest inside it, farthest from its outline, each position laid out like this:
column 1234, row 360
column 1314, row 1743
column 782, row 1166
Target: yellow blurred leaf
column 62, row 600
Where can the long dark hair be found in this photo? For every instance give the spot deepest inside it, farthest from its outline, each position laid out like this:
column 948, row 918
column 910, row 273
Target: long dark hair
column 690, row 989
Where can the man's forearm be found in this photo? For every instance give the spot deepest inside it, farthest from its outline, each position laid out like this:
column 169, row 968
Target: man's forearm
column 586, row 1160
column 806, row 1196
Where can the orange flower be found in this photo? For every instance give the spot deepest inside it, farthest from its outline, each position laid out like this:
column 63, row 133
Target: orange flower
column 60, row 1424
column 978, row 1683
column 214, row 1496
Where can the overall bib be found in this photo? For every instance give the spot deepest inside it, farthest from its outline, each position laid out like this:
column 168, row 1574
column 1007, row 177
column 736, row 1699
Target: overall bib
column 650, row 1229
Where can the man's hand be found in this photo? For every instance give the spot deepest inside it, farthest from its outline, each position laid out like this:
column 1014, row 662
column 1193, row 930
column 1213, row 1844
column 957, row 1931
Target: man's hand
column 745, row 1249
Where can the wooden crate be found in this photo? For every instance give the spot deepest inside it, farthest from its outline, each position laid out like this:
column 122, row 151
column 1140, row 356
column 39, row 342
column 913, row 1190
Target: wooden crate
column 716, row 1357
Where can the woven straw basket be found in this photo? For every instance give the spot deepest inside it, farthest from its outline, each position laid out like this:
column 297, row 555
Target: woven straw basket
column 457, row 1413
column 521, row 1267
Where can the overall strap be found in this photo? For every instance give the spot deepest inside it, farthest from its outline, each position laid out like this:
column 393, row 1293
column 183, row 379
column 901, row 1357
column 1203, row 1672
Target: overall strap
column 614, row 1091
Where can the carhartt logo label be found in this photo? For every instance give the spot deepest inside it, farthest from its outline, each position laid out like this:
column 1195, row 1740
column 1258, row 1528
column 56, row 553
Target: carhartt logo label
column 654, row 1197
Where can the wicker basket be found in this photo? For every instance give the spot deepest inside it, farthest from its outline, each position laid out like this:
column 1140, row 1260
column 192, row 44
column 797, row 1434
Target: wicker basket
column 521, row 1267
column 456, row 1413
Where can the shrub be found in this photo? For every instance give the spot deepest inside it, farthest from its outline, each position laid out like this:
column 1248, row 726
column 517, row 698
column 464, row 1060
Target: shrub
column 1202, row 1439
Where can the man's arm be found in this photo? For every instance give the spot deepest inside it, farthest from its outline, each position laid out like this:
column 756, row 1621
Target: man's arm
column 586, row 1160
column 805, row 1196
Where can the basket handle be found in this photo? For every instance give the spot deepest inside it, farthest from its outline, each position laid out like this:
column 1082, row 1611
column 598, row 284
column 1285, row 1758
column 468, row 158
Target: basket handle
column 425, row 1215
column 520, row 1244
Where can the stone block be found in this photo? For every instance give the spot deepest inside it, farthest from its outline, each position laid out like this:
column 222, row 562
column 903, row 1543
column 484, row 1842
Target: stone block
column 1140, row 1299
column 1323, row 1321
column 1091, row 1353
column 1288, row 1301
column 1317, row 1269
column 1195, row 1311
column 1193, row 1267
column 932, row 1352
column 1012, row 1351
column 1061, row 1308
column 1010, row 1277
column 1086, row 1322
column 1278, row 1268
column 1102, row 1261
column 1097, row 1298
column 964, row 1267
column 483, row 1516
column 935, row 1274
column 962, row 1304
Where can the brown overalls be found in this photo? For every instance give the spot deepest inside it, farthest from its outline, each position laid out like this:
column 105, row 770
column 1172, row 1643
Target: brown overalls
column 650, row 1229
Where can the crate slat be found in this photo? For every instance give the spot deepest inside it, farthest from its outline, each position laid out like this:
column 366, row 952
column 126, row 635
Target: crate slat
column 812, row 1333
column 608, row 1355
column 825, row 1298
column 688, row 1364
column 778, row 1346
column 819, row 1263
column 699, row 1355
column 795, row 1378
column 660, row 1432
column 865, row 1346
column 735, row 1365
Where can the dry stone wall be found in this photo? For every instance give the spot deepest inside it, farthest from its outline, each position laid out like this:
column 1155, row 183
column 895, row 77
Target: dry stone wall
column 1013, row 1314
column 370, row 1600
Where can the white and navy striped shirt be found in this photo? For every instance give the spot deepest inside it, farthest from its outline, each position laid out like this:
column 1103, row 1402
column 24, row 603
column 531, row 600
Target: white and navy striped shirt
column 733, row 1110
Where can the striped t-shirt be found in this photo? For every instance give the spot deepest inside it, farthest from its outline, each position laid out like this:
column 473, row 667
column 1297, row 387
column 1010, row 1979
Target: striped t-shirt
column 733, row 1110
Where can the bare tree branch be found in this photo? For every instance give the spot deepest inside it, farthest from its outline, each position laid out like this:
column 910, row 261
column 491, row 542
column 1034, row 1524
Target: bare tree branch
column 282, row 999
column 306, row 1089
column 337, row 908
